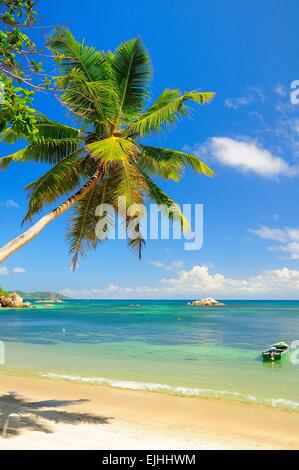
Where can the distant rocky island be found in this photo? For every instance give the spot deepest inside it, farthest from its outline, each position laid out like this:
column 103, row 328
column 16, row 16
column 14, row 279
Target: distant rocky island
column 208, row 302
column 42, row 295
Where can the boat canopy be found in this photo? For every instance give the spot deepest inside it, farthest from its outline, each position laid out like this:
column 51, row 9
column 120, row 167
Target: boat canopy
column 281, row 345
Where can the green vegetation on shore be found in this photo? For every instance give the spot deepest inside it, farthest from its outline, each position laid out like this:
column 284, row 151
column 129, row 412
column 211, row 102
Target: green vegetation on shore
column 3, row 292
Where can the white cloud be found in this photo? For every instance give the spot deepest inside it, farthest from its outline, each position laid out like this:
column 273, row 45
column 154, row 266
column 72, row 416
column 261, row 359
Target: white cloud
column 235, row 103
column 198, row 282
column 269, row 233
column 289, row 237
column 197, row 278
column 113, row 291
column 253, row 94
column 280, row 90
column 292, row 249
column 248, row 156
column 258, row 116
column 4, row 271
column 167, row 266
column 257, row 93
column 19, row 270
column 295, row 126
column 9, row 203
column 285, row 131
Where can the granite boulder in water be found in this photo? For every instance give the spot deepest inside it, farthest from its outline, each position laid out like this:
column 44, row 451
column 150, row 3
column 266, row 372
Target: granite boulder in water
column 208, row 302
column 13, row 300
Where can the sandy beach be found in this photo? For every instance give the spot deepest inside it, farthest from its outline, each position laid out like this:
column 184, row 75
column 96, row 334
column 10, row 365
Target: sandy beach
column 50, row 414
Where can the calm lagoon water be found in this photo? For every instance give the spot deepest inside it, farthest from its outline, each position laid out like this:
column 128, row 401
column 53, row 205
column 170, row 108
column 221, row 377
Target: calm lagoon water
column 166, row 346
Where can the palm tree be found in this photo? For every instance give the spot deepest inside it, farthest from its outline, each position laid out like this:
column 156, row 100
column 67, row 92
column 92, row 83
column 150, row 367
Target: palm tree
column 104, row 158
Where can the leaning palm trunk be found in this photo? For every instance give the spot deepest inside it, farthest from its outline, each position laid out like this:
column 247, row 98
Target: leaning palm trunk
column 33, row 231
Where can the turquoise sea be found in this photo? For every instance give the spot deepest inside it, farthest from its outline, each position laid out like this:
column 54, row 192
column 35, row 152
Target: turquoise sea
column 165, row 346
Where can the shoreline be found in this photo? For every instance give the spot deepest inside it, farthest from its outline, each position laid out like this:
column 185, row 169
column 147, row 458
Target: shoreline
column 221, row 395
column 80, row 416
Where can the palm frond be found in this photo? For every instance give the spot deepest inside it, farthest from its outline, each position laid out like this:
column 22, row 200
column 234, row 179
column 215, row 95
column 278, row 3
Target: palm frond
column 200, row 97
column 132, row 74
column 137, row 244
column 158, row 166
column 92, row 101
column 64, row 177
column 162, row 158
column 81, row 231
column 48, row 129
column 43, row 151
column 163, row 169
column 81, row 65
column 167, row 206
column 127, row 182
column 10, row 136
column 71, row 54
column 168, row 108
column 112, row 149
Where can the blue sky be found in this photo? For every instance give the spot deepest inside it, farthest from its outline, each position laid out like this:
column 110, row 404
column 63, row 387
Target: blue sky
column 247, row 52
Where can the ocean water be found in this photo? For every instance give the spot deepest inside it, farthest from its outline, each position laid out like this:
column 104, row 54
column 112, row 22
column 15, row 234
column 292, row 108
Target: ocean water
column 163, row 346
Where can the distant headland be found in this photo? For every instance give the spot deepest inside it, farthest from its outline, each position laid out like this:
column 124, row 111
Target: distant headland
column 15, row 299
column 42, row 295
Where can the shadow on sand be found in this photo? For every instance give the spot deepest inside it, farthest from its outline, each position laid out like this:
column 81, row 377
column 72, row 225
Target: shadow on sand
column 17, row 415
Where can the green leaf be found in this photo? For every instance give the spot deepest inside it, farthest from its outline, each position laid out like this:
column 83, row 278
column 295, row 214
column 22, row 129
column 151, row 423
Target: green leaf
column 127, row 182
column 137, row 244
column 10, row 136
column 112, row 149
column 72, row 54
column 200, row 97
column 132, row 73
column 81, row 231
column 80, row 65
column 168, row 108
column 173, row 159
column 167, row 206
column 44, row 151
column 92, row 101
column 48, row 129
column 64, row 177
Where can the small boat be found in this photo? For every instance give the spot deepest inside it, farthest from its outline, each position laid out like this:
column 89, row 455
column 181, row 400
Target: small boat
column 276, row 352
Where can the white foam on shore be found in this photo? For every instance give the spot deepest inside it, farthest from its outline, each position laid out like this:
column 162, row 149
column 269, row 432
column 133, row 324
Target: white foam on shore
column 283, row 403
column 180, row 391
